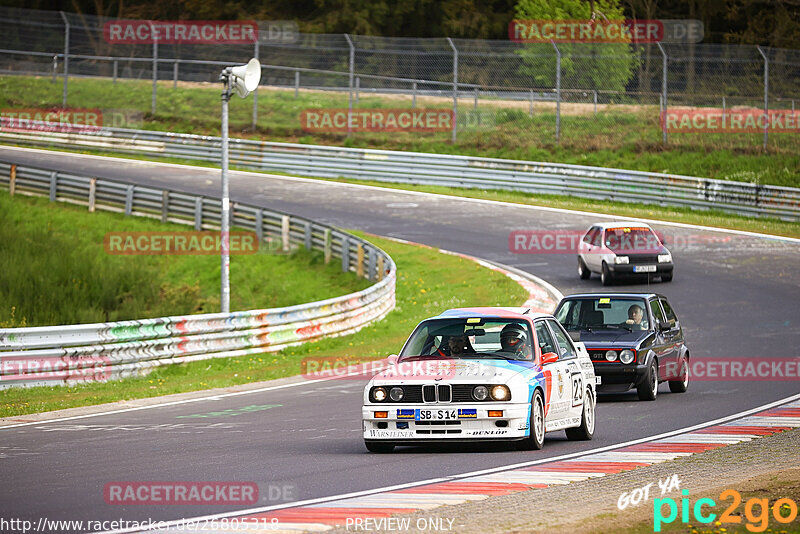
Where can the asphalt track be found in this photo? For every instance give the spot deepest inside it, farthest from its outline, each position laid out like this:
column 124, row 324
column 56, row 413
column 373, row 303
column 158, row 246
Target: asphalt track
column 736, row 296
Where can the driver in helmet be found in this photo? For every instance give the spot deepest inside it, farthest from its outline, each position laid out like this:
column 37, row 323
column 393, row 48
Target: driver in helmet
column 514, row 339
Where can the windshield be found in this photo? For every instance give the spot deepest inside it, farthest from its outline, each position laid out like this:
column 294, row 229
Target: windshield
column 469, row 339
column 603, row 313
column 631, row 239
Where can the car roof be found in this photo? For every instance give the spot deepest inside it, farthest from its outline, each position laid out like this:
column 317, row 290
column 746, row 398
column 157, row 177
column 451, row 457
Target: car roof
column 620, row 224
column 501, row 312
column 614, row 295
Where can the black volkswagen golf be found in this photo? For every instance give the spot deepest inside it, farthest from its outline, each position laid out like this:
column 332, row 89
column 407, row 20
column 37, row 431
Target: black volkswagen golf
column 634, row 339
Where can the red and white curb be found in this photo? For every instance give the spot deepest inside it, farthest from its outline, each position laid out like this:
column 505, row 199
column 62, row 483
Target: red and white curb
column 326, row 515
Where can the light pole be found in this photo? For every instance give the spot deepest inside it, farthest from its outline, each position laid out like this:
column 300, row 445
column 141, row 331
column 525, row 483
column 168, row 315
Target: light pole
column 241, row 79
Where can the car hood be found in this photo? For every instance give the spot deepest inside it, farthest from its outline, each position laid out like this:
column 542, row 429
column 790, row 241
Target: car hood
column 613, row 338
column 465, row 371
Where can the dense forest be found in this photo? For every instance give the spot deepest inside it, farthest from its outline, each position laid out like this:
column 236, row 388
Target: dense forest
column 766, row 22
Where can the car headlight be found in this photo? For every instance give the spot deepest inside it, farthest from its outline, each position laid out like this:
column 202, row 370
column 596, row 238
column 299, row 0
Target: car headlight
column 621, row 259
column 396, row 394
column 665, row 258
column 611, row 355
column 626, row 356
column 379, row 394
column 501, row 393
column 480, row 393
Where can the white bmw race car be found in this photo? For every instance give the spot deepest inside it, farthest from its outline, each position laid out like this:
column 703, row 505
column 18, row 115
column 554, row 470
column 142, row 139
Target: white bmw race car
column 482, row 374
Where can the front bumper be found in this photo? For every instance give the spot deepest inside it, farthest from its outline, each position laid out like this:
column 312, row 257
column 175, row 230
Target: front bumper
column 626, row 269
column 400, row 428
column 616, row 377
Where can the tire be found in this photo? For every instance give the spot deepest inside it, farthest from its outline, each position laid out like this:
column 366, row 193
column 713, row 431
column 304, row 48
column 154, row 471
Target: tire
column 380, row 447
column 666, row 277
column 583, row 271
column 680, row 386
column 606, row 278
column 585, row 432
column 648, row 389
column 536, row 423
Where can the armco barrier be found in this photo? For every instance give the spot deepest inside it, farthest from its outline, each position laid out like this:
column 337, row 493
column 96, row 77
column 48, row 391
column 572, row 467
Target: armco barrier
column 445, row 170
column 67, row 354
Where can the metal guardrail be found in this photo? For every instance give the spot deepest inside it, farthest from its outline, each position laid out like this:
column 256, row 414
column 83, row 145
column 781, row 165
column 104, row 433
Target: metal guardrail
column 75, row 353
column 435, row 169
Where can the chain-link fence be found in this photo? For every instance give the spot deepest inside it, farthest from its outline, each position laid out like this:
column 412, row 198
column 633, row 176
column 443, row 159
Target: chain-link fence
column 502, row 93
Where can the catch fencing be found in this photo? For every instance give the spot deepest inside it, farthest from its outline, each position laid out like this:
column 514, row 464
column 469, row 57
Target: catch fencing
column 440, row 170
column 70, row 354
column 576, row 94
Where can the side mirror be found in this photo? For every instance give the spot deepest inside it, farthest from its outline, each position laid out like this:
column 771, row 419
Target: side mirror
column 664, row 326
column 575, row 335
column 549, row 357
column 392, row 360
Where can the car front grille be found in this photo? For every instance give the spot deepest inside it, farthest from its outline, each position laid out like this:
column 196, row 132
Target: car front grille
column 642, row 259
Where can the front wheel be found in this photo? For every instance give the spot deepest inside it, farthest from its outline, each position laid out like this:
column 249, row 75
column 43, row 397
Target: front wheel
column 680, row 386
column 584, row 432
column 648, row 389
column 583, row 270
column 379, row 446
column 605, row 275
column 536, row 439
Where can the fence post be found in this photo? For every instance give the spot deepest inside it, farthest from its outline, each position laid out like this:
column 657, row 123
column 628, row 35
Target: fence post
column 307, row 237
column 255, row 92
column 198, row 214
column 345, row 254
column 55, row 67
column 116, row 66
column 476, row 99
column 53, row 186
column 66, row 59
column 360, row 260
column 164, row 206
column 766, row 96
column 358, row 88
column 350, row 84
column 558, row 91
column 285, row 222
column 296, row 83
column 327, row 245
column 175, row 75
column 12, row 180
column 662, row 119
column 455, row 89
column 371, row 264
column 595, row 103
column 380, row 268
column 92, row 194
column 155, row 69
column 530, row 104
column 129, row 200
column 723, row 112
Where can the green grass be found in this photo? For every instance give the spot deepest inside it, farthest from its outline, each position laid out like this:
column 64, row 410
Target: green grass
column 54, row 269
column 428, row 282
column 623, row 136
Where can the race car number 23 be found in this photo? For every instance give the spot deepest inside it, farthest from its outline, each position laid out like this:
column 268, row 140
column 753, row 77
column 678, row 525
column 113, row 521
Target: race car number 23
column 434, row 415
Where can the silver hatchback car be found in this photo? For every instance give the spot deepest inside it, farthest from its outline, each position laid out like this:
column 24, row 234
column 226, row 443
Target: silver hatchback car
column 626, row 249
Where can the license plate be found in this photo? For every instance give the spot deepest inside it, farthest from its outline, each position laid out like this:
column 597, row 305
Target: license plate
column 598, row 380
column 644, row 268
column 435, row 415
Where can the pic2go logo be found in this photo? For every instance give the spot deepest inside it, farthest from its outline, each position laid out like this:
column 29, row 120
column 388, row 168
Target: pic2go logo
column 756, row 511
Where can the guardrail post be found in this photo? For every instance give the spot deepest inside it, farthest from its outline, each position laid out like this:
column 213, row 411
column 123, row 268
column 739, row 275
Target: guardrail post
column 116, row 66
column 530, row 104
column 92, row 194
column 155, row 70
column 455, row 89
column 175, row 75
column 285, row 221
column 345, row 254
column 55, row 67
column 380, row 268
column 164, row 205
column 53, row 185
column 359, row 260
column 663, row 117
column 129, row 200
column 327, row 245
column 198, row 214
column 66, row 59
column 260, row 225
column 371, row 264
column 350, row 85
column 296, row 83
column 476, row 99
column 413, row 95
column 766, row 96
column 12, row 180
column 358, row 89
column 307, row 237
column 595, row 103
column 558, row 92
